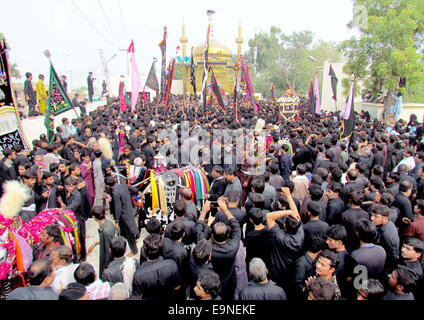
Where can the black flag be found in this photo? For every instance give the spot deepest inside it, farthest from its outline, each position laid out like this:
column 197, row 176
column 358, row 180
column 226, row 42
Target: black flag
column 152, row 80
column 334, row 82
column 312, row 101
column 192, row 76
column 348, row 124
column 216, row 92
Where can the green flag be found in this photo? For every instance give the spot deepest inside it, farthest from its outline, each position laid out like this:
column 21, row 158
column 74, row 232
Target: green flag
column 57, row 102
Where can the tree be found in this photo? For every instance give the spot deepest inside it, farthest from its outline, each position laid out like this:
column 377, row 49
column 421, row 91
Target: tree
column 283, row 60
column 388, row 50
column 293, row 55
column 14, row 71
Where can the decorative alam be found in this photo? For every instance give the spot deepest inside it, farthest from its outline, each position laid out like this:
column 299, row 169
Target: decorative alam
column 289, row 104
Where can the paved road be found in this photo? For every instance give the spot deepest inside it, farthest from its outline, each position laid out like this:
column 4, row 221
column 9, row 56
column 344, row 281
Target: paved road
column 32, row 129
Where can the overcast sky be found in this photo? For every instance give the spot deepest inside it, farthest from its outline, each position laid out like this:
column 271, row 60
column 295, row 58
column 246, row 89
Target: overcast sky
column 31, row 27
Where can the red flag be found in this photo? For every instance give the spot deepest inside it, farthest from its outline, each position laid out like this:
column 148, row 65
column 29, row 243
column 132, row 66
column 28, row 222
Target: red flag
column 131, row 47
column 169, row 85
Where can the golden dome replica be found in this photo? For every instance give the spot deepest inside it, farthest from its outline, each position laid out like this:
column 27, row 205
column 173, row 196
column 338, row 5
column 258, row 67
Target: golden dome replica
column 217, row 52
column 219, row 58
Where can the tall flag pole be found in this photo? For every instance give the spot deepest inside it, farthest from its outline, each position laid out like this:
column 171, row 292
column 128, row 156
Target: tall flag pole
column 152, row 81
column 169, row 83
column 122, row 100
column 205, row 68
column 273, row 92
column 216, row 92
column 317, row 96
column 312, row 102
column 249, row 89
column 13, row 134
column 334, row 82
column 236, row 85
column 192, row 75
column 236, row 99
column 162, row 46
column 135, row 76
column 348, row 116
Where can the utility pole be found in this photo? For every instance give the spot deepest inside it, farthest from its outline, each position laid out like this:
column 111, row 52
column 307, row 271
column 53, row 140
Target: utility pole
column 105, row 69
column 128, row 63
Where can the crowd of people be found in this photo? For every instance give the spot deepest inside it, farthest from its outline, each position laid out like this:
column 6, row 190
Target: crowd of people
column 325, row 220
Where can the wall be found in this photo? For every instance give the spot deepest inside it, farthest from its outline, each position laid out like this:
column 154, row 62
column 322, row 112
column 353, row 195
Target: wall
column 375, row 109
column 327, row 102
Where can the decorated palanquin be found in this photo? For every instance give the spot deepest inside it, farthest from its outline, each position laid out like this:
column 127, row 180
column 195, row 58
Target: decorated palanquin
column 289, row 105
column 15, row 248
column 18, row 237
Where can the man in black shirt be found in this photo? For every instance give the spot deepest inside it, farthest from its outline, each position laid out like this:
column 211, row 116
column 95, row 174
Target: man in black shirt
column 335, row 205
column 388, row 234
column 148, row 150
column 260, row 288
column 189, row 226
column 114, row 272
column 403, row 203
column 157, row 278
column 64, row 84
column 90, row 86
column 208, row 286
column 200, row 261
column 173, row 248
column 30, row 96
column 351, row 215
column 412, row 252
column 225, row 244
column 233, row 201
column 41, row 275
column 369, row 255
column 122, row 210
column 314, row 227
column 336, row 239
column 218, row 185
column 285, row 244
column 305, row 266
column 256, row 241
column 402, row 282
column 350, row 185
column 73, row 203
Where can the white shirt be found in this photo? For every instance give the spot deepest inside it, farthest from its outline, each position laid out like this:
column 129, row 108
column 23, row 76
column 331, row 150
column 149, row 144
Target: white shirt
column 63, row 276
column 410, row 163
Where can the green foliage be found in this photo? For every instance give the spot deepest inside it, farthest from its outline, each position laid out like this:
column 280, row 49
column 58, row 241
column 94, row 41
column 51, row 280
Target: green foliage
column 391, row 36
column 283, row 60
column 415, row 93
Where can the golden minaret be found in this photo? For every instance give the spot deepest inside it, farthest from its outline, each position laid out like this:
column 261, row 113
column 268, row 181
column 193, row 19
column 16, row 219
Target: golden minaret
column 239, row 41
column 184, row 41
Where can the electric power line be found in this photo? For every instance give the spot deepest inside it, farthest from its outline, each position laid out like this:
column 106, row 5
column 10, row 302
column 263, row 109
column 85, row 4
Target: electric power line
column 122, row 20
column 107, row 21
column 89, row 22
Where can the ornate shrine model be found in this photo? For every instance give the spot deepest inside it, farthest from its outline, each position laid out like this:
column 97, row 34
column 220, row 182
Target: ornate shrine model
column 289, row 105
